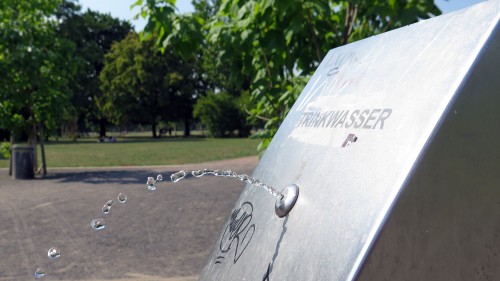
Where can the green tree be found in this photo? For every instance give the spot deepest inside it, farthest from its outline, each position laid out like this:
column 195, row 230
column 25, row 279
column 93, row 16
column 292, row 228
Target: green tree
column 222, row 115
column 185, row 35
column 142, row 85
column 273, row 46
column 93, row 34
column 35, row 66
column 182, row 33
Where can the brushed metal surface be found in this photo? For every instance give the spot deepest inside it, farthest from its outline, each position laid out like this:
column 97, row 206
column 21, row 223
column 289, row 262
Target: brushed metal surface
column 351, row 142
column 446, row 223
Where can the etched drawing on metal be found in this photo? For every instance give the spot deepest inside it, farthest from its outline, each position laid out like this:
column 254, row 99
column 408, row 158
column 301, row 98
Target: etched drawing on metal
column 394, row 143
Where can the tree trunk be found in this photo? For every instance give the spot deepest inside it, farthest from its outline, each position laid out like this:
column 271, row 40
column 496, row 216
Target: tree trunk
column 33, row 142
column 153, row 128
column 11, row 154
column 102, row 127
column 187, row 130
column 42, row 148
column 350, row 18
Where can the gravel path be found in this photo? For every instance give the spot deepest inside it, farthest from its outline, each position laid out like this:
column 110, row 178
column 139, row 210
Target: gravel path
column 164, row 235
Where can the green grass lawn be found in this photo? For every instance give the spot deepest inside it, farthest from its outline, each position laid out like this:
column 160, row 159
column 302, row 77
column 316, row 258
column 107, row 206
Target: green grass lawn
column 137, row 151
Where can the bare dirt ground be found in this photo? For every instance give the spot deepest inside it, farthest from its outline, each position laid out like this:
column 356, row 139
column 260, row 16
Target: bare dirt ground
column 164, row 235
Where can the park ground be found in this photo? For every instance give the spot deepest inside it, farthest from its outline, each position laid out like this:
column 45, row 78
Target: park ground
column 139, row 149
column 165, row 235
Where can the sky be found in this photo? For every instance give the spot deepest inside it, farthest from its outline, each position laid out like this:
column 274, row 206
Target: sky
column 121, row 8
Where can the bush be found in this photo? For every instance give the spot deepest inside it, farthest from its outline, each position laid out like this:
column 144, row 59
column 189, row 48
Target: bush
column 5, row 150
column 221, row 114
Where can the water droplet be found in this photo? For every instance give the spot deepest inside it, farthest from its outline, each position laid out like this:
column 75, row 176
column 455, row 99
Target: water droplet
column 151, row 183
column 243, row 178
column 106, row 209
column 98, row 224
column 159, row 177
column 252, row 181
column 122, row 198
column 110, row 203
column 178, row 176
column 198, row 173
column 29, row 49
column 54, row 253
column 39, row 272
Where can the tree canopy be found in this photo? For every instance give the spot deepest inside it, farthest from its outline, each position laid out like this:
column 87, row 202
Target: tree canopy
column 93, row 33
column 142, row 85
column 35, row 66
column 222, row 114
column 50, row 57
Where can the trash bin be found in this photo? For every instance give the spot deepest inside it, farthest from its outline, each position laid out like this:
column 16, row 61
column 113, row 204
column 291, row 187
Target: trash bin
column 22, row 162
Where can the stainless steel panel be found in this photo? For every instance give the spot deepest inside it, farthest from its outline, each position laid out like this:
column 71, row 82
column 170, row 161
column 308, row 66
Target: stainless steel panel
column 351, row 143
column 446, row 223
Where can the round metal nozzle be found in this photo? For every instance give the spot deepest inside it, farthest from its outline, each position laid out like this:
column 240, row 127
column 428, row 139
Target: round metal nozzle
column 285, row 204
